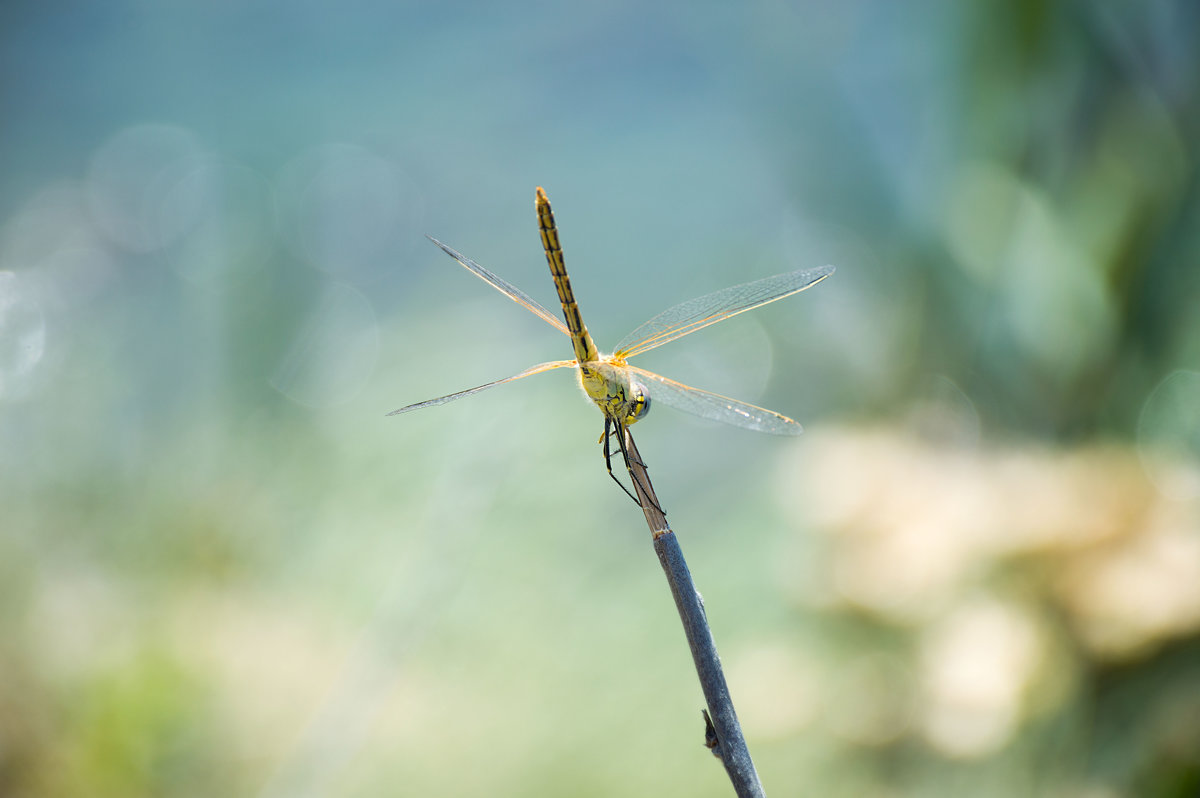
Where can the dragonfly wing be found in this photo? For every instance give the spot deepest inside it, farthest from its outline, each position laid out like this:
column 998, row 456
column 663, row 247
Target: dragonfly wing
column 698, row 313
column 441, row 400
column 713, row 406
column 502, row 285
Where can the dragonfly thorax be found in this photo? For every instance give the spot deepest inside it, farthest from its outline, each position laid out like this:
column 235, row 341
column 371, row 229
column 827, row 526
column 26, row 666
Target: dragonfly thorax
column 615, row 391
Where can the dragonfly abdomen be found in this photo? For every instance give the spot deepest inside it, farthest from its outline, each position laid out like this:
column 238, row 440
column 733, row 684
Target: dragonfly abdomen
column 581, row 339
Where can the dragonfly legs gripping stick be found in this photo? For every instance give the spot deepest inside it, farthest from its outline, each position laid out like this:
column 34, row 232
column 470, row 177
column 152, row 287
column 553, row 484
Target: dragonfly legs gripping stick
column 613, row 427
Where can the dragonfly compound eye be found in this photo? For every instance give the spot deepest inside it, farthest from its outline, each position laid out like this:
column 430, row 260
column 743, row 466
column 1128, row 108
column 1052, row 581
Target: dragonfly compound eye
column 639, row 401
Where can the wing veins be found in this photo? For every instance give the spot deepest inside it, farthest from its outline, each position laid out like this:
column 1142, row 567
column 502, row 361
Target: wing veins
column 441, row 400
column 503, row 286
column 695, row 314
column 715, row 406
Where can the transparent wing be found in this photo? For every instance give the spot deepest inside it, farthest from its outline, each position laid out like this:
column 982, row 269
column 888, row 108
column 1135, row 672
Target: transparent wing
column 502, row 285
column 529, row 372
column 698, row 313
column 713, row 406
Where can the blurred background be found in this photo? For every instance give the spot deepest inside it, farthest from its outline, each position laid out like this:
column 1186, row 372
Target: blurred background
column 223, row 570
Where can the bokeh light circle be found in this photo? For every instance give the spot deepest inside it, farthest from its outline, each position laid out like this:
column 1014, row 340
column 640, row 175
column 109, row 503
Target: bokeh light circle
column 129, row 177
column 348, row 211
column 218, row 219
column 22, row 336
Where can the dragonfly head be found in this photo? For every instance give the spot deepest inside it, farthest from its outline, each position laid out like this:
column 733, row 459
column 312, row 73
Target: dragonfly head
column 638, row 402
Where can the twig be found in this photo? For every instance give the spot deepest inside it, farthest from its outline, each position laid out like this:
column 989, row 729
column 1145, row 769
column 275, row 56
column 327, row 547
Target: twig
column 730, row 745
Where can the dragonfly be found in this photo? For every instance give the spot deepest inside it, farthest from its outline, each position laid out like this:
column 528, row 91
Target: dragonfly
column 624, row 392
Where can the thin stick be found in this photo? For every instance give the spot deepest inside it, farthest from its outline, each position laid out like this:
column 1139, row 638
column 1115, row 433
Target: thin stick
column 730, row 745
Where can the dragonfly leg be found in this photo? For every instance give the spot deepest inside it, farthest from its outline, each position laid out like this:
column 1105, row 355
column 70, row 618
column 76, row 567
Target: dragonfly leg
column 610, row 427
column 619, row 430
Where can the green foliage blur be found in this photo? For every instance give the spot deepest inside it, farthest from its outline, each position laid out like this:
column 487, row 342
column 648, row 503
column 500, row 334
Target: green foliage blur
column 223, row 570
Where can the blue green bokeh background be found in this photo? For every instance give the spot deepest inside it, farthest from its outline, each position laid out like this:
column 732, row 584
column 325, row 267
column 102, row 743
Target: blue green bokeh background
column 224, row 572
